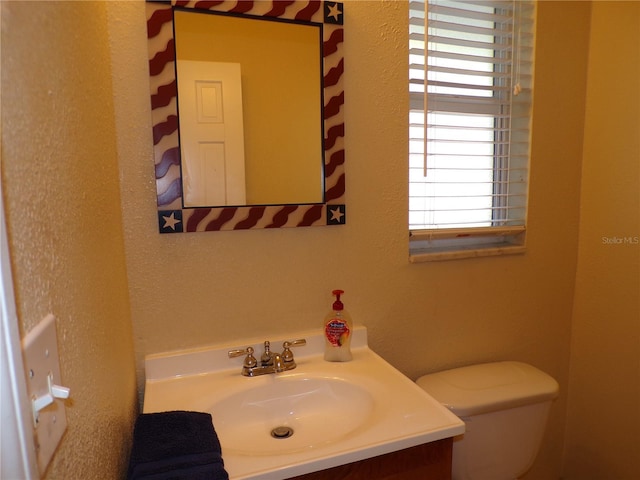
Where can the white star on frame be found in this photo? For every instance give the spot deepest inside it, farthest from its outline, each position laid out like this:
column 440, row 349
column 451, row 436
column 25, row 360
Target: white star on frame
column 170, row 221
column 336, row 214
column 334, row 11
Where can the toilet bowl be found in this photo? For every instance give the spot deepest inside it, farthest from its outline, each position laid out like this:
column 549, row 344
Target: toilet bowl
column 505, row 407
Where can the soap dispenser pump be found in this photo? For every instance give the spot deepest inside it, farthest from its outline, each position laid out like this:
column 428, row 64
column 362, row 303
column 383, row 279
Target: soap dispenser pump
column 337, row 332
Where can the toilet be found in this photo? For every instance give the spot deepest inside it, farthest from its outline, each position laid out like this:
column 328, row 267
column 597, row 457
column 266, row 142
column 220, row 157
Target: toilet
column 505, row 406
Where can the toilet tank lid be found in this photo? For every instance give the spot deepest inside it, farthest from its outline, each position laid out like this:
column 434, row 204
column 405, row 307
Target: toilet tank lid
column 489, row 387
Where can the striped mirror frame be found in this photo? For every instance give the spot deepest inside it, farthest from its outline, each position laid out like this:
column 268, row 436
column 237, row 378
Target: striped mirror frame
column 173, row 217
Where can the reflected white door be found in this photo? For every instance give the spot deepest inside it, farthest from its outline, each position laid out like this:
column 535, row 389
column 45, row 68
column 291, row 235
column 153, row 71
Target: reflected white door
column 211, row 133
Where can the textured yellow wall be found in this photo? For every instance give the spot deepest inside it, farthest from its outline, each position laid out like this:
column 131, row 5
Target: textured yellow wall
column 195, row 289
column 604, row 396
column 60, row 181
column 61, row 194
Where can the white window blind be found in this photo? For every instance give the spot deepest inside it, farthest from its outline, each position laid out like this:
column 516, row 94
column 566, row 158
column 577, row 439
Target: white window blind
column 469, row 137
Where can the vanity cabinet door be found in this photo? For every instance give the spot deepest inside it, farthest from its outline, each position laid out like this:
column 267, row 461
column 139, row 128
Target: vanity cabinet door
column 431, row 461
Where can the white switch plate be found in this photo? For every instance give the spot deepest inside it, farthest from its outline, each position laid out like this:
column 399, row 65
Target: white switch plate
column 40, row 350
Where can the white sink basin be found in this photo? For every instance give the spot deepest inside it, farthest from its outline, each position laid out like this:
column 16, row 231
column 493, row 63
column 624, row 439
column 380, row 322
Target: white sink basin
column 289, row 414
column 325, row 414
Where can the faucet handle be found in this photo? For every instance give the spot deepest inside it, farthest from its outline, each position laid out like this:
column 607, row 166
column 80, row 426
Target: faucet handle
column 250, row 361
column 287, row 354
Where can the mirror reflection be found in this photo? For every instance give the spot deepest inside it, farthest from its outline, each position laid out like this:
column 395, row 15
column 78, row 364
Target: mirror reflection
column 250, row 106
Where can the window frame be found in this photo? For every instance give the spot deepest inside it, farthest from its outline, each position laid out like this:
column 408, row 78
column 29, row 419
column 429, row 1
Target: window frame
column 434, row 244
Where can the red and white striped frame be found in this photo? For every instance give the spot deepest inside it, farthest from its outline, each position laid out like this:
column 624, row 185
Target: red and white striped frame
column 172, row 216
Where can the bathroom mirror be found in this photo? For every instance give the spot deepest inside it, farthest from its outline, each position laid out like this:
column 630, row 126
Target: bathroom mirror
column 284, row 61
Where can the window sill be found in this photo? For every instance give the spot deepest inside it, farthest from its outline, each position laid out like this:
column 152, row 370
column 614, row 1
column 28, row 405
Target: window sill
column 439, row 256
column 456, row 244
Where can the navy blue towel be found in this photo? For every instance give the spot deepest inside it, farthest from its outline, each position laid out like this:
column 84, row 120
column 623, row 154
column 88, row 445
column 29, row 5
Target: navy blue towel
column 176, row 446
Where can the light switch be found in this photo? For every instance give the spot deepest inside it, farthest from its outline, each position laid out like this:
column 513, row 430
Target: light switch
column 44, row 386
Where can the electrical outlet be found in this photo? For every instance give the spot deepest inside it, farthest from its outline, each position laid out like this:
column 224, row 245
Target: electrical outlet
column 41, row 363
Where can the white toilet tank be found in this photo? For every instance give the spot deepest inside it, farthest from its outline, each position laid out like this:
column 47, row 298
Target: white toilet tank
column 505, row 406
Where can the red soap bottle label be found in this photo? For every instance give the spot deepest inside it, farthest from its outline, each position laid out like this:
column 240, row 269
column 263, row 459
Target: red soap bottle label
column 337, row 332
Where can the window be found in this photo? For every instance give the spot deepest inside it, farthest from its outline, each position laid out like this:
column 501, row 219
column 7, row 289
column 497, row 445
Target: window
column 469, row 154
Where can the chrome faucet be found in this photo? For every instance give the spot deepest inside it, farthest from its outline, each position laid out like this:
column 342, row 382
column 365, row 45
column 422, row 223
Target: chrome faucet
column 270, row 362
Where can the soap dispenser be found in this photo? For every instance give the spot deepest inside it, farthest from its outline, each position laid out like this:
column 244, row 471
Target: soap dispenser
column 337, row 332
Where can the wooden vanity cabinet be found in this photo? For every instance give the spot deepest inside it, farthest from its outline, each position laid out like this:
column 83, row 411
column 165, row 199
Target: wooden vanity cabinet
column 430, row 461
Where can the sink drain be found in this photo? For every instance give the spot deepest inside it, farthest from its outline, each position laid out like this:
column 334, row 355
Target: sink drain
column 282, row 432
